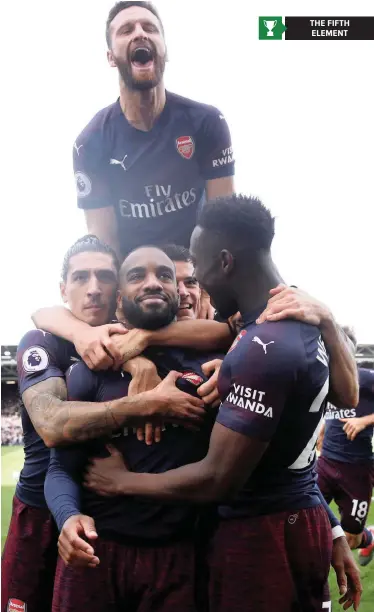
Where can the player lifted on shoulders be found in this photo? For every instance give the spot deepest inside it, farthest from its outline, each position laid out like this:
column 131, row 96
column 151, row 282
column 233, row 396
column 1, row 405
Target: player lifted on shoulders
column 144, row 164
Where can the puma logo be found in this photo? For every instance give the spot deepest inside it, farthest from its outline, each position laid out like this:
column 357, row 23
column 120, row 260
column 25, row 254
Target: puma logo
column 259, row 341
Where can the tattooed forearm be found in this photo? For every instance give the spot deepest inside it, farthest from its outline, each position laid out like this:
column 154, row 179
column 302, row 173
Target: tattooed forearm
column 94, row 421
column 43, row 402
column 59, row 422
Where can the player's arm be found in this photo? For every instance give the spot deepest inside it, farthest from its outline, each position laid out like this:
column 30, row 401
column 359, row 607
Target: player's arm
column 62, row 494
column 58, row 421
column 215, row 155
column 219, row 187
column 336, row 528
column 61, row 489
column 289, row 302
column 93, row 344
column 93, row 188
column 217, row 166
column 321, row 436
column 218, row 476
column 355, row 425
column 344, row 391
column 144, row 377
column 198, row 334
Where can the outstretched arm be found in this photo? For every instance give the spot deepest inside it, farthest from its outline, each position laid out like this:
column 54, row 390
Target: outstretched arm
column 58, row 421
column 218, row 476
column 343, row 369
column 202, row 335
column 94, row 343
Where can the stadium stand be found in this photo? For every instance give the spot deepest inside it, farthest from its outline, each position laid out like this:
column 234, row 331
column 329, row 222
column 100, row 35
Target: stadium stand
column 8, row 363
column 11, row 428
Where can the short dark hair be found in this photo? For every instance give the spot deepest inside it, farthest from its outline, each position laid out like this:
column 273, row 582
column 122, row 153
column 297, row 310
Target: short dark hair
column 243, row 220
column 88, row 243
column 121, row 6
column 177, row 252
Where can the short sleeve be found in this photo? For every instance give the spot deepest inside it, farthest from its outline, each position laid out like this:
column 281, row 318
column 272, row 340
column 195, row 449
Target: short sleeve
column 214, row 147
column 263, row 370
column 81, row 383
column 91, row 181
column 39, row 357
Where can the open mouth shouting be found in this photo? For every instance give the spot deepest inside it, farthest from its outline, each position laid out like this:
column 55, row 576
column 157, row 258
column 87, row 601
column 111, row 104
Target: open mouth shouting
column 142, row 57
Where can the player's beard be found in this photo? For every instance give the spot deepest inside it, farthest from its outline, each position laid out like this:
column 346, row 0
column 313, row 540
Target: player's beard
column 152, row 319
column 125, row 70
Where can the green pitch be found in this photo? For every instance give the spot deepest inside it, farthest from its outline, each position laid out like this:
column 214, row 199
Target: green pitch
column 12, row 459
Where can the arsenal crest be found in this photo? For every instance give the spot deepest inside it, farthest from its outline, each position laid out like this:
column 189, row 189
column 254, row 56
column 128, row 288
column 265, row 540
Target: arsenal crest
column 193, row 378
column 237, row 339
column 185, row 146
column 16, row 605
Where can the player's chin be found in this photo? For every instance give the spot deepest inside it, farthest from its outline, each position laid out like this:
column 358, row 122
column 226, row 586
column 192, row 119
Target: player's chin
column 145, row 77
column 154, row 307
column 96, row 318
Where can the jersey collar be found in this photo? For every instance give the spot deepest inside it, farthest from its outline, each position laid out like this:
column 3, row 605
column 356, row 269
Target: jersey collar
column 250, row 317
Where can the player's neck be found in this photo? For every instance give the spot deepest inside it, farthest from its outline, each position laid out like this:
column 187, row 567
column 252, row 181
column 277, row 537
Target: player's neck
column 142, row 108
column 255, row 293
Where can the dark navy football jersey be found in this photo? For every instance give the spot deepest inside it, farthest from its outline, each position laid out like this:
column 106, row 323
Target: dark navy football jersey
column 273, row 384
column 131, row 518
column 40, row 355
column 155, row 180
column 335, row 442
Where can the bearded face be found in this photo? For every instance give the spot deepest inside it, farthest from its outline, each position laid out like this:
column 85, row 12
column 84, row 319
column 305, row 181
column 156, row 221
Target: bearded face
column 137, row 48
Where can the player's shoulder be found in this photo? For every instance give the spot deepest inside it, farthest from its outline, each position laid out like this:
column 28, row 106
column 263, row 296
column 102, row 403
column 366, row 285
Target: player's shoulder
column 192, row 106
column 97, row 128
column 284, row 335
column 267, row 347
column 41, row 355
column 42, row 339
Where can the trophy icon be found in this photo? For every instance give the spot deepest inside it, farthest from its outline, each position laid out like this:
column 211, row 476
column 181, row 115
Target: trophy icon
column 269, row 25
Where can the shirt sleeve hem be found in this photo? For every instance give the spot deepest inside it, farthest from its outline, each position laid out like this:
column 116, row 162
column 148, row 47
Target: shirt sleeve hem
column 238, row 428
column 32, row 382
column 89, row 205
column 222, row 173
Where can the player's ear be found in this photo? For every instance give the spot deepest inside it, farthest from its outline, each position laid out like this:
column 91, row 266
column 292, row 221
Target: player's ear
column 119, row 312
column 110, row 58
column 227, row 262
column 119, row 299
column 63, row 292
